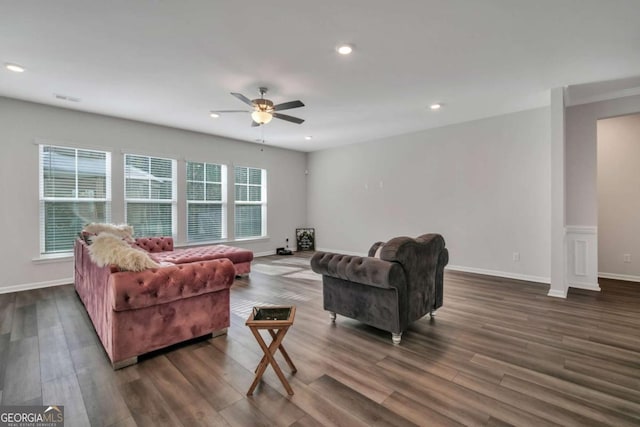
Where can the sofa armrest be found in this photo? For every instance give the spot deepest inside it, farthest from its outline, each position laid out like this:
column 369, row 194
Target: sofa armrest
column 364, row 270
column 133, row 290
column 155, row 244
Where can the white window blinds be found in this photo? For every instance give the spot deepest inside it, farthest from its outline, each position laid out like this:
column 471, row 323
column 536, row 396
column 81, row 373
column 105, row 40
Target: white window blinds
column 150, row 195
column 75, row 189
column 206, row 201
column 250, row 202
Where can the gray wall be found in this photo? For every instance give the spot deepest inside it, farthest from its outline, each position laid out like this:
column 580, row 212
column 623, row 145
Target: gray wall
column 22, row 122
column 619, row 195
column 484, row 185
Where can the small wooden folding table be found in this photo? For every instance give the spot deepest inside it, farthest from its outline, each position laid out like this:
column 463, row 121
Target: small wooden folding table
column 276, row 320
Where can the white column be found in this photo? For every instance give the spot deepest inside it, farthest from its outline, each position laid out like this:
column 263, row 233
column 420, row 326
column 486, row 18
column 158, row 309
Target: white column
column 558, row 286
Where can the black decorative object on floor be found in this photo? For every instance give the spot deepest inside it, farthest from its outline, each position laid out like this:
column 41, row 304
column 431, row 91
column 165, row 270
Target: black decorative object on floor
column 306, row 239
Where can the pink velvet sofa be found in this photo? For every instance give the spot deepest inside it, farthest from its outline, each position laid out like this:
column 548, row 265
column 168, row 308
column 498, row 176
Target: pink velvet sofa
column 161, row 250
column 137, row 312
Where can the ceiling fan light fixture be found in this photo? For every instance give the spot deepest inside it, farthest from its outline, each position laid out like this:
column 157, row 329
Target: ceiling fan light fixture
column 261, row 117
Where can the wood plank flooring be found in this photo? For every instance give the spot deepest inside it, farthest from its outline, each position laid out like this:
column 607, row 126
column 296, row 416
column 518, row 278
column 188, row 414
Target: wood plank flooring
column 499, row 352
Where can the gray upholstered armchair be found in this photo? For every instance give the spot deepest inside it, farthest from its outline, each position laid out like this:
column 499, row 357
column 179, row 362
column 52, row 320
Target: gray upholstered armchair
column 399, row 282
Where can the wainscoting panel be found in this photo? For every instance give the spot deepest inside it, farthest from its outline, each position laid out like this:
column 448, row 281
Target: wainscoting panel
column 582, row 257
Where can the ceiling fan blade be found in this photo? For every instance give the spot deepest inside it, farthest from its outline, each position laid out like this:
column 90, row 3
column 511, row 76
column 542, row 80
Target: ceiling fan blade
column 288, row 118
column 288, row 105
column 242, row 98
column 254, row 124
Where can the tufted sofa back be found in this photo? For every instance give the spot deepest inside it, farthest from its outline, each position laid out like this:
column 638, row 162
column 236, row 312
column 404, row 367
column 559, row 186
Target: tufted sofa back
column 155, row 244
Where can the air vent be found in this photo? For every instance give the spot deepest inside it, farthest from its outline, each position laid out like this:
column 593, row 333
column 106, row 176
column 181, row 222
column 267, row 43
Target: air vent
column 66, row 98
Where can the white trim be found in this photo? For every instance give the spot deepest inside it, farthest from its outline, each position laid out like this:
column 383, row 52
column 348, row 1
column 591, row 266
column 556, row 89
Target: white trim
column 340, row 251
column 585, row 285
column 615, row 276
column 506, row 274
column 581, row 229
column 261, row 254
column 36, row 285
column 53, row 258
column 556, row 293
column 582, row 256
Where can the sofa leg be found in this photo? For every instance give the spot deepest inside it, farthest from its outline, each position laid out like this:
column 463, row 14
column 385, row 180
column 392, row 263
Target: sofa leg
column 219, row 332
column 396, row 338
column 432, row 313
column 332, row 315
column 124, row 363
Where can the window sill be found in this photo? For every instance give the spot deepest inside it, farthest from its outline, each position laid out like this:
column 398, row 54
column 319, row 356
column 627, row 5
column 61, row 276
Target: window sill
column 53, row 258
column 68, row 256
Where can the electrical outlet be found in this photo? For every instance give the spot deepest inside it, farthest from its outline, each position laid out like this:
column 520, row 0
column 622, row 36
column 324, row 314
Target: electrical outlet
column 627, row 257
column 516, row 256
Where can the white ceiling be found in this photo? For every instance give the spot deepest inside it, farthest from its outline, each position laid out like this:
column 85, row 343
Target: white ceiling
column 171, row 62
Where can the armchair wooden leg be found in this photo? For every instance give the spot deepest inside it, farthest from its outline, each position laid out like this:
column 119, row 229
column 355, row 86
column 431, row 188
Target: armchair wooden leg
column 332, row 315
column 396, row 338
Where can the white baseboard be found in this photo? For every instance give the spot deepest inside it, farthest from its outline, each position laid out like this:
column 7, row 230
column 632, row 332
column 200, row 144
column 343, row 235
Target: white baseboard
column 340, row 251
column 261, row 254
column 35, row 285
column 585, row 285
column 557, row 293
column 615, row 276
column 506, row 274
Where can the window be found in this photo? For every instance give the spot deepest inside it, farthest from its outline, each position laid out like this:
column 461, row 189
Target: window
column 251, row 202
column 206, row 199
column 150, row 195
column 75, row 189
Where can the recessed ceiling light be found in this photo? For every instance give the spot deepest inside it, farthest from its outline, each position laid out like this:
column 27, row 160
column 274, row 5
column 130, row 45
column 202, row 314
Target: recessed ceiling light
column 214, row 115
column 435, row 106
column 308, row 137
column 344, row 49
column 14, row 67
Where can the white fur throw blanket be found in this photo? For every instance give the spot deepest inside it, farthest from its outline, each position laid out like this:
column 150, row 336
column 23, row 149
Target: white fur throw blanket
column 123, row 230
column 107, row 249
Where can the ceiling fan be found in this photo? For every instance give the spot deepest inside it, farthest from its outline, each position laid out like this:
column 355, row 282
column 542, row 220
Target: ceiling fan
column 264, row 110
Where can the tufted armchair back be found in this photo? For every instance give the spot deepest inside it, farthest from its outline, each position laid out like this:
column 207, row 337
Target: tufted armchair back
column 155, row 244
column 423, row 259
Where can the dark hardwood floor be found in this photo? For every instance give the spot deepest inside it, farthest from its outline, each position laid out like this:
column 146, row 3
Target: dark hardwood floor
column 499, row 352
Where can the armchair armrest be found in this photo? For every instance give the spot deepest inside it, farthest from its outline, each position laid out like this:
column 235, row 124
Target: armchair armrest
column 364, row 270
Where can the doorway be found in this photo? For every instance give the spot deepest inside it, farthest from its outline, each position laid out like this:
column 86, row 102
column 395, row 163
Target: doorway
column 618, row 183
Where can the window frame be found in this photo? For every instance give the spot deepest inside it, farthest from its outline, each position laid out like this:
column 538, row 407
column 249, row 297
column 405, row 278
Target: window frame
column 174, row 191
column 262, row 202
column 223, row 202
column 43, row 199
